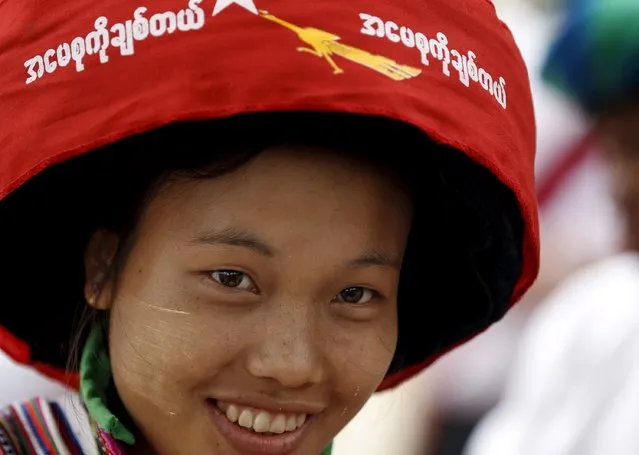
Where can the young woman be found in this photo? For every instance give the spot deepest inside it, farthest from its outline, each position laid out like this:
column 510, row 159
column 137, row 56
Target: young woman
column 228, row 224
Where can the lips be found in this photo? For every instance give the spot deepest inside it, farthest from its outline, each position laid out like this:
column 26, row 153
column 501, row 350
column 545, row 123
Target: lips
column 255, row 431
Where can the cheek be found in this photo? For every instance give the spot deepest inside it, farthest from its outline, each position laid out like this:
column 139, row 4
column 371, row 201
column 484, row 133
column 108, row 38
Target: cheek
column 360, row 358
column 162, row 356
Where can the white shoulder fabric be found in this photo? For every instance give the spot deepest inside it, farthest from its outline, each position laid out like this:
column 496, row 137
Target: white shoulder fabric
column 575, row 385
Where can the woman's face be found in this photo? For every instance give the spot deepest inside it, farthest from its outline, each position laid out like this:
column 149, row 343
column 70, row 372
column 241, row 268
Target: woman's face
column 256, row 312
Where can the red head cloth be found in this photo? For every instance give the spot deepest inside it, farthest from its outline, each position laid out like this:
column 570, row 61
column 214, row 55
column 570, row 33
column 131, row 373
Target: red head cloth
column 79, row 74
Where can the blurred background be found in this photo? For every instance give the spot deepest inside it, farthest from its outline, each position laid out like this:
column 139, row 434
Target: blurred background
column 472, row 402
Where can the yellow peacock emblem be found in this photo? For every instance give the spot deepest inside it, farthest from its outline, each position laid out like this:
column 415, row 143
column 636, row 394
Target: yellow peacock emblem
column 325, row 44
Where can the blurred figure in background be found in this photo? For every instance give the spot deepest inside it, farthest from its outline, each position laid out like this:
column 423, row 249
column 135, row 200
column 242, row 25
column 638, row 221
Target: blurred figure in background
column 575, row 386
column 572, row 184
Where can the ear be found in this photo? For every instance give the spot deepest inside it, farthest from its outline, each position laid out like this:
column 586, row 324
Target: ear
column 98, row 261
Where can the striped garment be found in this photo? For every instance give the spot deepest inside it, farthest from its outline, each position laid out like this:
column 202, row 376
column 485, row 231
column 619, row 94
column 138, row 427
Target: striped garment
column 42, row 427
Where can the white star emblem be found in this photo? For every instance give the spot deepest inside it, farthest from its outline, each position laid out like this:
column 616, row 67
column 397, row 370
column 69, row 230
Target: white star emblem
column 221, row 5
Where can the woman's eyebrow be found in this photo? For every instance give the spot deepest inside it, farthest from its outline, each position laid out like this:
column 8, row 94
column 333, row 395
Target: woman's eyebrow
column 234, row 237
column 242, row 238
column 375, row 258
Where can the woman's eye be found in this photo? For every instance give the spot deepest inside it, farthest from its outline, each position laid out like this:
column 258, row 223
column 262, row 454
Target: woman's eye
column 356, row 295
column 233, row 279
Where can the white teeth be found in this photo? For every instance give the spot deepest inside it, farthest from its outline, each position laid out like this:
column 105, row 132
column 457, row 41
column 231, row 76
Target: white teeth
column 262, row 421
column 246, row 419
column 232, row 413
column 291, row 423
column 278, row 425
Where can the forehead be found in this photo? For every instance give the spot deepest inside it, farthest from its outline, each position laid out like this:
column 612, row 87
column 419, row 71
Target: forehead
column 293, row 191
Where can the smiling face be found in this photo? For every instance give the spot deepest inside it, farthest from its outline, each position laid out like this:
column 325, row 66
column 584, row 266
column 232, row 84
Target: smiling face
column 265, row 298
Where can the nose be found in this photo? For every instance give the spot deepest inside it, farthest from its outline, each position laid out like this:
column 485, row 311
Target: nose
column 288, row 350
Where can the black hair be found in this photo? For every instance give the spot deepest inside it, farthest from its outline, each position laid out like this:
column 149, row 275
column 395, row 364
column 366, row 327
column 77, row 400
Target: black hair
column 464, row 251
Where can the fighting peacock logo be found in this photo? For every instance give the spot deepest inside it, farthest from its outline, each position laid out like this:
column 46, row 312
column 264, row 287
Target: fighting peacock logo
column 325, row 45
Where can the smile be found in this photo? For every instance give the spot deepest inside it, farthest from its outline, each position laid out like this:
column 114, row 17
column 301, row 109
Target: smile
column 254, row 431
column 261, row 421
